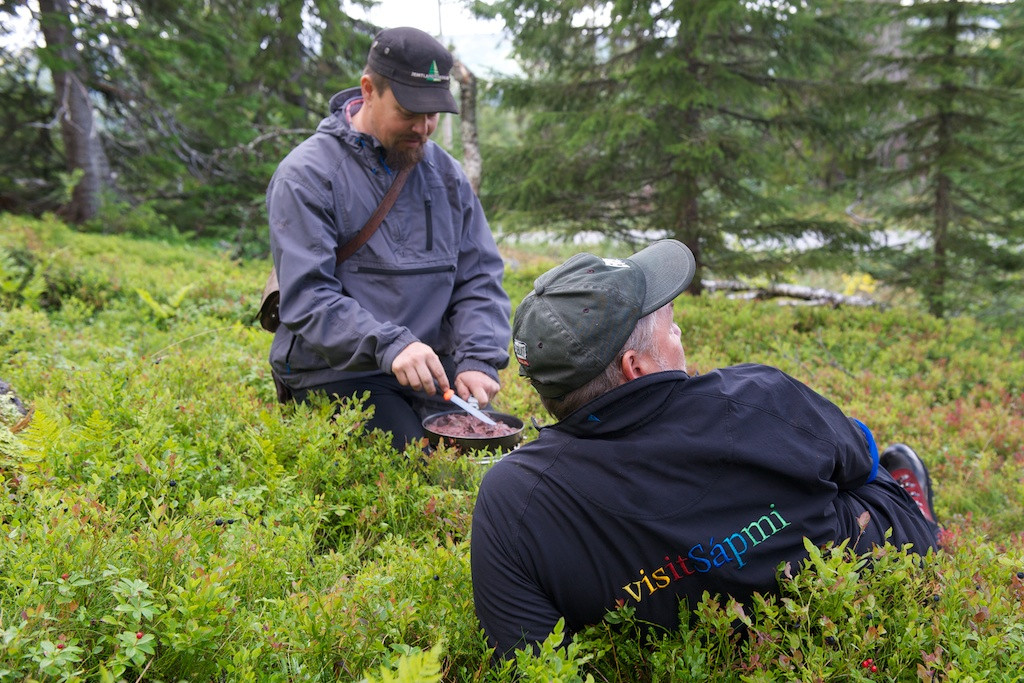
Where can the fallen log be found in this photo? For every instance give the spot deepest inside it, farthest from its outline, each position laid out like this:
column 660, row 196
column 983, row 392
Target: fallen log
column 792, row 295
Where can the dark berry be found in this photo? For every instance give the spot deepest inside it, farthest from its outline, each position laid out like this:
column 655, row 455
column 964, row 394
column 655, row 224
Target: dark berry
column 219, row 521
column 172, row 483
column 1020, row 575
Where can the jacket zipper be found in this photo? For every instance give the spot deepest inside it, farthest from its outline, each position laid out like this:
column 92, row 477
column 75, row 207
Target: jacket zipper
column 288, row 356
column 405, row 271
column 430, row 224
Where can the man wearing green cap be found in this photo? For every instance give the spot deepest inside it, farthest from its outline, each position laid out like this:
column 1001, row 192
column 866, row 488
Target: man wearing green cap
column 655, row 485
column 420, row 306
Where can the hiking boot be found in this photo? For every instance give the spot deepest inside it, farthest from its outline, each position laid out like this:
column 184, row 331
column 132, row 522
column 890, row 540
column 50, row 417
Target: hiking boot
column 909, row 472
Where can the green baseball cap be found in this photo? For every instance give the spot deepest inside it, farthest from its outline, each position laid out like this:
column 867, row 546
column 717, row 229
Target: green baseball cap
column 579, row 314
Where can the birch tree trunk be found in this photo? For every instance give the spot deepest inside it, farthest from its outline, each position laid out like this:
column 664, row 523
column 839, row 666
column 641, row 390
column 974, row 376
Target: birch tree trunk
column 472, row 163
column 82, row 147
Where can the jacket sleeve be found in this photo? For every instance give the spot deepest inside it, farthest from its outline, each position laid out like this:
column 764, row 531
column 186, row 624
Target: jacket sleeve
column 304, row 233
column 855, row 456
column 513, row 610
column 480, row 309
column 807, row 435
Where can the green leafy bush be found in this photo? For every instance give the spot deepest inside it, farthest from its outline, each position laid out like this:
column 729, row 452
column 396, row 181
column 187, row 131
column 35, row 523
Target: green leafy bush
column 164, row 518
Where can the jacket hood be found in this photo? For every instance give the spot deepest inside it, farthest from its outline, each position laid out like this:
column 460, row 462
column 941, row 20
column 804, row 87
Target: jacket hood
column 336, row 122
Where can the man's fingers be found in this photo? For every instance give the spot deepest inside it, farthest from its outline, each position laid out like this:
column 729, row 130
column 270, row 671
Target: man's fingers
column 419, row 368
column 478, row 385
column 427, row 377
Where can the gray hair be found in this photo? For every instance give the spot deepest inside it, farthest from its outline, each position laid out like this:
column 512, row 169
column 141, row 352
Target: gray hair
column 642, row 340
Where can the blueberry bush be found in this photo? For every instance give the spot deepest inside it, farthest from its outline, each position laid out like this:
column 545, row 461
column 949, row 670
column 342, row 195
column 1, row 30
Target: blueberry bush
column 163, row 518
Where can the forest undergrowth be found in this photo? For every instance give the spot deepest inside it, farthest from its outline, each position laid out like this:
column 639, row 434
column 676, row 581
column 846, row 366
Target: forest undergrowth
column 162, row 518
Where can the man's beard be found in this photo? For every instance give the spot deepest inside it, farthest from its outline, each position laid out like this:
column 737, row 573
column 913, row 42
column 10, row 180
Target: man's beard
column 398, row 158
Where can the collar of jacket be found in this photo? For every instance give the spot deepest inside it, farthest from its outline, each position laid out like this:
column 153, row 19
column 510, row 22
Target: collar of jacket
column 625, row 408
column 362, row 145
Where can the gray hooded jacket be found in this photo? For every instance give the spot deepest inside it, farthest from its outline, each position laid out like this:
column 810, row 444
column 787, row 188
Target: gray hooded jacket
column 431, row 272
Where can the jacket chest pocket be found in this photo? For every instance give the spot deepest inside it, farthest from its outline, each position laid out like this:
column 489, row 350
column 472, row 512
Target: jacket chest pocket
column 399, row 272
column 423, row 223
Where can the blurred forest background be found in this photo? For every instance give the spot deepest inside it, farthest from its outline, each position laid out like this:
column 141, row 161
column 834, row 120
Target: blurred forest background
column 774, row 137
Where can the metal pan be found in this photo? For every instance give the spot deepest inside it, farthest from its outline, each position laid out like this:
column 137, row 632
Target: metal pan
column 495, row 444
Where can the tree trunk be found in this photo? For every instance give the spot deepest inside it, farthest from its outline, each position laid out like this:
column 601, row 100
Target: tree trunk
column 689, row 228
column 472, row 163
column 935, row 289
column 83, row 150
column 812, row 296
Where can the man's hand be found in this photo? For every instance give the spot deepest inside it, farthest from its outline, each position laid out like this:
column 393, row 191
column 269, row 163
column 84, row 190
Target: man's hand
column 476, row 384
column 418, row 367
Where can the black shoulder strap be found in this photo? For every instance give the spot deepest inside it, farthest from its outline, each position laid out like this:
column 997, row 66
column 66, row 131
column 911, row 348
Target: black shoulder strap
column 375, row 220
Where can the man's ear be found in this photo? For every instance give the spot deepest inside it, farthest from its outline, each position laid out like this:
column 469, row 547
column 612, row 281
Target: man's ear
column 636, row 365
column 366, row 86
column 632, row 365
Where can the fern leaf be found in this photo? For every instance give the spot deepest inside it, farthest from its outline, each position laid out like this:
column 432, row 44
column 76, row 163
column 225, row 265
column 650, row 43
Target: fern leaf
column 179, row 296
column 157, row 308
column 38, row 438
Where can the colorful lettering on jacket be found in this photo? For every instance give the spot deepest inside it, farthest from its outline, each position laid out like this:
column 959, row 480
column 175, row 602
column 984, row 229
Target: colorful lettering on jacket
column 701, row 558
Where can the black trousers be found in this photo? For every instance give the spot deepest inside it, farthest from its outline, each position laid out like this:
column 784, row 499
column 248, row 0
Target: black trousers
column 889, row 507
column 396, row 409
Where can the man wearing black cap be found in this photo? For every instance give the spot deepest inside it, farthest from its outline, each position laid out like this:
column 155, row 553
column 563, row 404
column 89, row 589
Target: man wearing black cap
column 420, row 306
column 656, row 486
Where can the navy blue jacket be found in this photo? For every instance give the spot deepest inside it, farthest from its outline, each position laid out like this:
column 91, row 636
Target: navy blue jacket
column 669, row 486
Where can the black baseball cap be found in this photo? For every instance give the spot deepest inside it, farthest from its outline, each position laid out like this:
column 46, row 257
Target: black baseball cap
column 418, row 68
column 579, row 314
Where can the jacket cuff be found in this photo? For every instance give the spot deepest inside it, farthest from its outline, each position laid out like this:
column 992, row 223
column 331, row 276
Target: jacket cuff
column 392, row 350
column 479, row 366
column 872, row 446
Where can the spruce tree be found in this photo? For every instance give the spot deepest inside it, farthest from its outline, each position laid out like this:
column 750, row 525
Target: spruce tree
column 195, row 101
column 948, row 182
column 673, row 119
